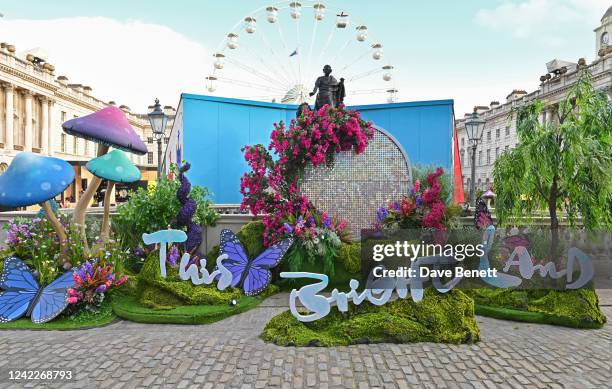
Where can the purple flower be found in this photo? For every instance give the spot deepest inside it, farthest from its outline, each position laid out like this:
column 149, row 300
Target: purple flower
column 288, row 228
column 395, row 206
column 311, row 220
column 101, row 288
column 186, row 212
column 300, row 222
column 382, row 214
column 174, row 256
column 327, row 221
column 194, row 237
column 418, row 201
column 139, row 252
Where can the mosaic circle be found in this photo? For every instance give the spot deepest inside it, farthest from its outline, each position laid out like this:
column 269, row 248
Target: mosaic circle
column 357, row 185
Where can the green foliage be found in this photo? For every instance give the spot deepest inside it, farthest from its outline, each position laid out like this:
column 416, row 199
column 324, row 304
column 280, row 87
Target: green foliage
column 565, row 163
column 350, row 256
column 251, row 237
column 444, row 318
column 156, row 208
column 36, row 243
column 571, row 308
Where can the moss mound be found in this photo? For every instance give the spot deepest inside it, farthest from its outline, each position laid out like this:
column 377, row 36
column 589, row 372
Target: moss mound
column 157, row 292
column 81, row 320
column 129, row 307
column 443, row 318
column 571, row 308
column 154, row 299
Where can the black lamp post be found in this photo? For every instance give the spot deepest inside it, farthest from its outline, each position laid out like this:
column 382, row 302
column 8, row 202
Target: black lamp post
column 158, row 120
column 474, row 126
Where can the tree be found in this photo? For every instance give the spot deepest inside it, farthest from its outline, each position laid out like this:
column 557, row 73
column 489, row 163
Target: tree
column 561, row 164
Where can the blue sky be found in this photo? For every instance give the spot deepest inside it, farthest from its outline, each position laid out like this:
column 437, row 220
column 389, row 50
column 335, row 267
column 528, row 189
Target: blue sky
column 470, row 51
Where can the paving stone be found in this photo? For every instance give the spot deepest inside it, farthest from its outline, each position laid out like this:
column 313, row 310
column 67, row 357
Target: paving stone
column 231, row 354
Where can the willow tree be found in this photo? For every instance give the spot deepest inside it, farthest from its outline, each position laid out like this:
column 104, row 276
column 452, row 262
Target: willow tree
column 562, row 164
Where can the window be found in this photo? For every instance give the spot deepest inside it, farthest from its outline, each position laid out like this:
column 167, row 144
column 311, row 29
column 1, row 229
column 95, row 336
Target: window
column 150, row 140
column 150, row 158
column 63, row 116
column 507, row 130
column 462, row 141
column 488, row 156
column 497, row 132
column 63, row 143
column 75, row 145
column 166, row 139
column 480, row 157
column 496, row 153
column 488, row 135
column 86, row 152
column 506, row 148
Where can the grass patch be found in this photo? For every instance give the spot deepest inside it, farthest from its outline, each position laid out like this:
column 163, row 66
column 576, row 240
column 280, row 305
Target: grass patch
column 569, row 308
column 128, row 307
column 442, row 318
column 81, row 320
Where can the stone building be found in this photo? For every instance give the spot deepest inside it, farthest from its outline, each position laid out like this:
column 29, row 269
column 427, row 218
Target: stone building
column 33, row 105
column 500, row 135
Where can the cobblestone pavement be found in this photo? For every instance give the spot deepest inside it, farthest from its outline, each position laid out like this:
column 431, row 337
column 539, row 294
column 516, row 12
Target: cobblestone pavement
column 230, row 354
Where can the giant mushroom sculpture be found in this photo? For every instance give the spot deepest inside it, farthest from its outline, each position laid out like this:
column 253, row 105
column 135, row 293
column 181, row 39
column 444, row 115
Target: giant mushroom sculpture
column 35, row 179
column 114, row 166
column 109, row 128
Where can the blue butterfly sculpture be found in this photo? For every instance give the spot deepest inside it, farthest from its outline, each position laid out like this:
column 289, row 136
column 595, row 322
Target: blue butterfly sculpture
column 22, row 295
column 252, row 275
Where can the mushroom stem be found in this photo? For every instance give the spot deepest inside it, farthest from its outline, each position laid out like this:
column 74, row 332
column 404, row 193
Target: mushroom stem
column 57, row 226
column 81, row 207
column 105, row 232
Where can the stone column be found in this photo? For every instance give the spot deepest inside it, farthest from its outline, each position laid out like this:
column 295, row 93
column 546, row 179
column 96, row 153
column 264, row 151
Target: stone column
column 44, row 136
column 8, row 121
column 28, row 121
column 51, row 128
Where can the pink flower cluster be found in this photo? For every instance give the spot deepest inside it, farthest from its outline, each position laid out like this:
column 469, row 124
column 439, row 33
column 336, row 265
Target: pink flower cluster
column 91, row 280
column 271, row 187
column 431, row 198
column 417, row 209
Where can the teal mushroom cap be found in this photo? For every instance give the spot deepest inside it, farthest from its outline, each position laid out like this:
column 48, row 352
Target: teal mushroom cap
column 114, row 166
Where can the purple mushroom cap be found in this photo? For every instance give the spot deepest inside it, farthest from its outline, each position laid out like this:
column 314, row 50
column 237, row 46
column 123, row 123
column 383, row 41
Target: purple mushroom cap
column 108, row 126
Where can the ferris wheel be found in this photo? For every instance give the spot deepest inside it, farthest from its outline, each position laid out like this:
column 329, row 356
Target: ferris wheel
column 276, row 52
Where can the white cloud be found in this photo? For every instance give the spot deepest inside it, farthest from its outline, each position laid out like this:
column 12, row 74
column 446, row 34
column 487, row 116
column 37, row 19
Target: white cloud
column 542, row 21
column 130, row 62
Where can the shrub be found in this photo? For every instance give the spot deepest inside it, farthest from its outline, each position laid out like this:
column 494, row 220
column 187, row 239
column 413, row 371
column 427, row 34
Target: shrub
column 155, row 209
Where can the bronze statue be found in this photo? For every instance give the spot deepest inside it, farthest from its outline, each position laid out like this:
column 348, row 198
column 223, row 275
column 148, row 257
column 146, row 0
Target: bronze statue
column 331, row 92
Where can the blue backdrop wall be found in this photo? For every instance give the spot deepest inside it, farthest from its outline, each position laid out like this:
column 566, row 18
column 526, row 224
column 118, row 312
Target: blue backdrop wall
column 210, row 131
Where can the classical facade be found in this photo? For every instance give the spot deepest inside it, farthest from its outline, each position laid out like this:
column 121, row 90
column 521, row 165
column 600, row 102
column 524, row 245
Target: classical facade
column 500, row 129
column 33, row 105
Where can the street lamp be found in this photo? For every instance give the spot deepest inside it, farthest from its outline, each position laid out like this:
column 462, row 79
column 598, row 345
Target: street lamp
column 474, row 126
column 158, row 120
